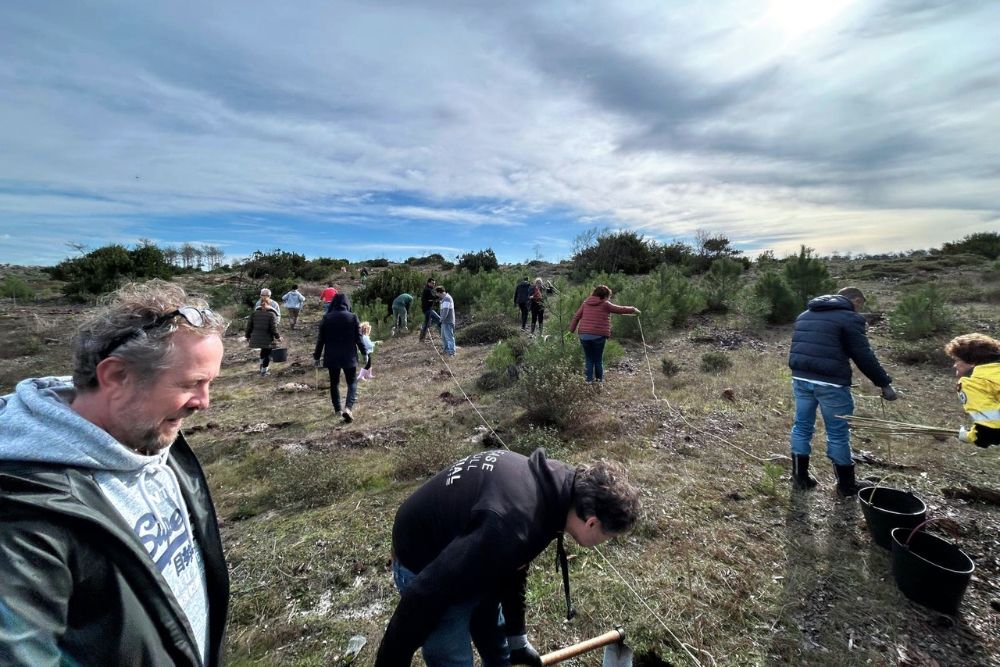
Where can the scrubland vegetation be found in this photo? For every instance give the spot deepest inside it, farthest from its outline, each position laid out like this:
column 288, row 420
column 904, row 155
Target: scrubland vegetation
column 727, row 566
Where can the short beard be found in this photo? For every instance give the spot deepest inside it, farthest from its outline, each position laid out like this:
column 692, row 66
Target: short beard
column 149, row 442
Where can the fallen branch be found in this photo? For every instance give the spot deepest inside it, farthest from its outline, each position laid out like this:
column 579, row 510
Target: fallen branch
column 974, row 493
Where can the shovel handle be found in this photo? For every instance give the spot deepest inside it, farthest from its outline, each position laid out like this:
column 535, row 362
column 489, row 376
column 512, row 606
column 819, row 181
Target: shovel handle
column 607, row 638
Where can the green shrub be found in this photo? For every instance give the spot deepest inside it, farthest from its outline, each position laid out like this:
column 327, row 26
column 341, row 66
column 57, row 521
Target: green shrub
column 781, row 303
column 506, row 353
column 474, row 262
column 713, row 362
column 535, row 437
column 928, row 352
column 15, row 288
column 722, row 283
column 986, row 244
column 433, row 258
column 615, row 252
column 385, row 286
column 920, row 314
column 554, row 394
column 669, row 367
column 485, row 332
column 807, row 277
column 104, row 269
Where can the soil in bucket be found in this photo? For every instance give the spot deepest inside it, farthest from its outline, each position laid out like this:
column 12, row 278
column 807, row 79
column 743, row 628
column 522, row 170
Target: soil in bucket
column 930, row 571
column 886, row 508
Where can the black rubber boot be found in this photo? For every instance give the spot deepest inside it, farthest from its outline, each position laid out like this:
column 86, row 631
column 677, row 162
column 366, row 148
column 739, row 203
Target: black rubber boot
column 801, row 480
column 846, row 484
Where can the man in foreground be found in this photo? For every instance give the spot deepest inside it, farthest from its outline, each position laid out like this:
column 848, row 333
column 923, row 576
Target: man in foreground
column 110, row 551
column 827, row 337
column 463, row 541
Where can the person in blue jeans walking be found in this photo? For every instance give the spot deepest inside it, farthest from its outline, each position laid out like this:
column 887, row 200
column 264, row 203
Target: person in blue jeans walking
column 447, row 321
column 462, row 544
column 427, row 299
column 828, row 336
column 592, row 321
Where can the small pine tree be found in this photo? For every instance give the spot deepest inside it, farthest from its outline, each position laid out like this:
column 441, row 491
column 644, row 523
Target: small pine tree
column 782, row 304
column 722, row 283
column 920, row 314
column 807, row 276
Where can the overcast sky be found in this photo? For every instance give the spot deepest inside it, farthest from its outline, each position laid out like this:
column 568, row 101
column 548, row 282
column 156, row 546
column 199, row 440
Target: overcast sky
column 392, row 129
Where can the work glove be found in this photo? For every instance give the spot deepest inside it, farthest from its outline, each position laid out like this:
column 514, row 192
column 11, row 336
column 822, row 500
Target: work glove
column 522, row 652
column 317, row 363
column 888, row 393
column 964, row 435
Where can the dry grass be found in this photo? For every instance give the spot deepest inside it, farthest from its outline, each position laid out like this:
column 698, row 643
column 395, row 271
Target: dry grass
column 742, row 571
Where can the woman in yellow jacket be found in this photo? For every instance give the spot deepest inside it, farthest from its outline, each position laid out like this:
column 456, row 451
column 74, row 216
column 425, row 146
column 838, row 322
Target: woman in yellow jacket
column 977, row 366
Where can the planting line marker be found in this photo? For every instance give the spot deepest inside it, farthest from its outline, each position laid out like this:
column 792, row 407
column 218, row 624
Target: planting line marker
column 684, row 647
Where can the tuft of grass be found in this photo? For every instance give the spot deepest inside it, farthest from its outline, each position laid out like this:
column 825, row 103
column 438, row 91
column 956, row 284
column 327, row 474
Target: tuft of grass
column 715, row 361
column 669, row 367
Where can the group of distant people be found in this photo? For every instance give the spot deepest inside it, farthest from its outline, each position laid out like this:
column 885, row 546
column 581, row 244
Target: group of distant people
column 110, row 552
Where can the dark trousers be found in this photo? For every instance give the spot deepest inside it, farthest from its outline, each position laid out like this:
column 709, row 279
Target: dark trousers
column 351, row 377
column 537, row 315
column 593, row 358
column 524, row 315
column 429, row 316
column 265, row 356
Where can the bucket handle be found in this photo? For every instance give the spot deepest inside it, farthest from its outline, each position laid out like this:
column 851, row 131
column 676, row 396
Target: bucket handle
column 921, row 525
column 871, row 499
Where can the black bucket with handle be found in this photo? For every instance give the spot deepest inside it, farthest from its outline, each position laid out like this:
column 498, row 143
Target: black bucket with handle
column 886, row 508
column 279, row 354
column 930, row 570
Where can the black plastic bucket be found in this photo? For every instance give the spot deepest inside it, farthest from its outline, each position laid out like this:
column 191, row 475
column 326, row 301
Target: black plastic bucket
column 886, row 508
column 279, row 354
column 929, row 570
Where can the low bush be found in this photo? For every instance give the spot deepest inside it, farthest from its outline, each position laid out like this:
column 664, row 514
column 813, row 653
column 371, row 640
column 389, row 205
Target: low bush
column 669, row 367
column 781, row 303
column 714, row 362
column 920, row 314
column 14, row 288
column 427, row 452
column 926, row 352
column 485, row 332
column 554, row 394
column 492, row 380
column 474, row 262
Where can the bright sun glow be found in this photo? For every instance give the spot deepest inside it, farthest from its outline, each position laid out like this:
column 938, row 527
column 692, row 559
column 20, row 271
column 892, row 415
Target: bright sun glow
column 795, row 18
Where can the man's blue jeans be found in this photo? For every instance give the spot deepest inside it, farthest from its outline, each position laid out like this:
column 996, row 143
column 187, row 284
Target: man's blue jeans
column 593, row 358
column 832, row 402
column 449, row 644
column 429, row 315
column 448, row 337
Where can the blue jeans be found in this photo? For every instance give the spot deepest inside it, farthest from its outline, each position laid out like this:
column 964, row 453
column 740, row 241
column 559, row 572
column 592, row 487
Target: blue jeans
column 448, row 644
column 351, row 377
column 832, row 402
column 593, row 358
column 429, row 315
column 448, row 337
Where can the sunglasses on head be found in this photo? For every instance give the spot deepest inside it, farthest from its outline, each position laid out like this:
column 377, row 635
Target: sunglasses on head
column 196, row 317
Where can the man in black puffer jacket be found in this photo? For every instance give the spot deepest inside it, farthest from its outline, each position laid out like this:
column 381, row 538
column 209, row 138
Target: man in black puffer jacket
column 463, row 541
column 828, row 336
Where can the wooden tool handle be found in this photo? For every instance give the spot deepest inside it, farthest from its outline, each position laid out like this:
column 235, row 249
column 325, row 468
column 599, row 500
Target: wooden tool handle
column 609, row 637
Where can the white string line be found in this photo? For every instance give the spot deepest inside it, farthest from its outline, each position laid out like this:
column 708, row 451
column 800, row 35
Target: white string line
column 774, row 457
column 596, row 548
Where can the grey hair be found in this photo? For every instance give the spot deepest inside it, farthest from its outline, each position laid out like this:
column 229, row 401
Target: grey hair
column 121, row 320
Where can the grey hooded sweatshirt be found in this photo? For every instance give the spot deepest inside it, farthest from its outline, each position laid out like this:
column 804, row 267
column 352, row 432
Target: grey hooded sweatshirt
column 38, row 425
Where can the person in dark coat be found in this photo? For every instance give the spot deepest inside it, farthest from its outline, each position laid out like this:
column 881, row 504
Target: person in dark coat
column 827, row 337
column 110, row 551
column 522, row 299
column 427, row 299
column 262, row 332
column 462, row 544
column 338, row 343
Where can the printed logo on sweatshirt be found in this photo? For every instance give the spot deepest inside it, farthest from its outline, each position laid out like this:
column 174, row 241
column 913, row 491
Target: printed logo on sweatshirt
column 165, row 544
column 484, row 461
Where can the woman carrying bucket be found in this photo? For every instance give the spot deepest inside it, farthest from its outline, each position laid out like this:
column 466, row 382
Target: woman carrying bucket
column 262, row 331
column 593, row 320
column 977, row 366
